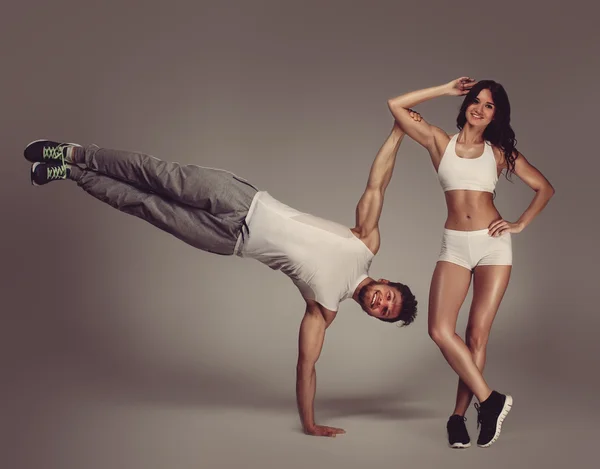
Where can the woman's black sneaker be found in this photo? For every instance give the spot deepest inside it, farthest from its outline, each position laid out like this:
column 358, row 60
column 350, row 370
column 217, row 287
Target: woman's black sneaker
column 458, row 436
column 491, row 414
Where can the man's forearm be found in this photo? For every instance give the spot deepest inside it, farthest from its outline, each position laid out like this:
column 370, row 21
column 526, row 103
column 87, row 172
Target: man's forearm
column 383, row 164
column 306, row 385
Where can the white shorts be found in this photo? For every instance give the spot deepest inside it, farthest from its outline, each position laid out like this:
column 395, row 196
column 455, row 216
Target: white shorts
column 472, row 248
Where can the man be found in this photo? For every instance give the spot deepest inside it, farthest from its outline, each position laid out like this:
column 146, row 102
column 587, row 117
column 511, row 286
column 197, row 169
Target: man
column 219, row 212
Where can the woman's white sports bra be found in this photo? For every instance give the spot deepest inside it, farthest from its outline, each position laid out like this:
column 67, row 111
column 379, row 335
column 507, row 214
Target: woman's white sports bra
column 471, row 174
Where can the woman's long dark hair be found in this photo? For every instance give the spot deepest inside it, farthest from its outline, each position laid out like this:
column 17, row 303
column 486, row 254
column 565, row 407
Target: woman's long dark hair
column 498, row 132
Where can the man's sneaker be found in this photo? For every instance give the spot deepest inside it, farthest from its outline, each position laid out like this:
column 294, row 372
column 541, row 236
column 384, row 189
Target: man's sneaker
column 47, row 151
column 458, row 436
column 43, row 173
column 491, row 414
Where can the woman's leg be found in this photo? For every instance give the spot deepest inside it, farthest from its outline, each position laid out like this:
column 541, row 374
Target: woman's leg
column 449, row 287
column 489, row 284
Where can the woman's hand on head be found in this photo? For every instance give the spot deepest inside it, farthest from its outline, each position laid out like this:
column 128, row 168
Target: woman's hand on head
column 461, row 86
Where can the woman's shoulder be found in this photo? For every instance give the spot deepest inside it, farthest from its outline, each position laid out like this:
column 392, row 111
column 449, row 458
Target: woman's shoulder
column 442, row 137
column 499, row 154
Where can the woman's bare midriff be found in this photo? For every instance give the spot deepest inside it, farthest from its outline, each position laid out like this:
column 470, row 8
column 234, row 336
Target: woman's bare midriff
column 470, row 210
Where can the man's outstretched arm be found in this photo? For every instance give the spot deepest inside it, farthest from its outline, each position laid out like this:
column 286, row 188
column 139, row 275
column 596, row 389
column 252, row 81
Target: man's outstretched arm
column 370, row 205
column 310, row 343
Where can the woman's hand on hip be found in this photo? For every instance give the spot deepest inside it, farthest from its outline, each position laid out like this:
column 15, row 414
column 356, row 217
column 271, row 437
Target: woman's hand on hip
column 500, row 227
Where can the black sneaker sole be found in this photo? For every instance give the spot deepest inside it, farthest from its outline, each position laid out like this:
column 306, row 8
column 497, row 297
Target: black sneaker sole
column 508, row 402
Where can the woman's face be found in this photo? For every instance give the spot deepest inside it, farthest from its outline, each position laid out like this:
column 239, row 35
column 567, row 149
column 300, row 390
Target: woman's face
column 481, row 112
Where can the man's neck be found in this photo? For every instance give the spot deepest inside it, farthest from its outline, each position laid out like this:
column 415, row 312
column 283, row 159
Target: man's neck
column 359, row 287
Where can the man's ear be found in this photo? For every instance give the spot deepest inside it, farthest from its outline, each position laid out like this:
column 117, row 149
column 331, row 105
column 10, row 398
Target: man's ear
column 382, row 280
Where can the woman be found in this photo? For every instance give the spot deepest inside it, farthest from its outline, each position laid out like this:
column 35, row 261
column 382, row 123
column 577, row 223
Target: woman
column 477, row 240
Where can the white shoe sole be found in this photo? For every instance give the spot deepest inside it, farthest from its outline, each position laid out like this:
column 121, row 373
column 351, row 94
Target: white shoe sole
column 505, row 410
column 460, row 445
column 32, row 171
column 48, row 140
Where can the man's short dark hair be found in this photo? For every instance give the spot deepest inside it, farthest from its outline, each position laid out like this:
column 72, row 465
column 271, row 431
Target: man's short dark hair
column 408, row 312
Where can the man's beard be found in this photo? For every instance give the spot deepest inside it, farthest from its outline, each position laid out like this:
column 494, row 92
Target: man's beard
column 363, row 293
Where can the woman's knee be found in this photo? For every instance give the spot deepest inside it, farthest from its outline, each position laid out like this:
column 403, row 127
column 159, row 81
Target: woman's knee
column 477, row 338
column 440, row 334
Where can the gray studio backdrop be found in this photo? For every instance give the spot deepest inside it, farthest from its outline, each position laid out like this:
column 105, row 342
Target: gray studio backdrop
column 102, row 309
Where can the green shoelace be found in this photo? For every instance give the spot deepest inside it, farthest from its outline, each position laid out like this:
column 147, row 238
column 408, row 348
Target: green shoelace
column 56, row 172
column 54, row 153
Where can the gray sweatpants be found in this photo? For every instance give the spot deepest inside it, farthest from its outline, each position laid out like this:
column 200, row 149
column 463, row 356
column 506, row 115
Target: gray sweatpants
column 203, row 207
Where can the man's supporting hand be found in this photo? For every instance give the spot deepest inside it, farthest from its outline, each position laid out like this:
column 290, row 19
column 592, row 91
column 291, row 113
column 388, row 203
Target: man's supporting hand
column 322, row 430
column 312, row 334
